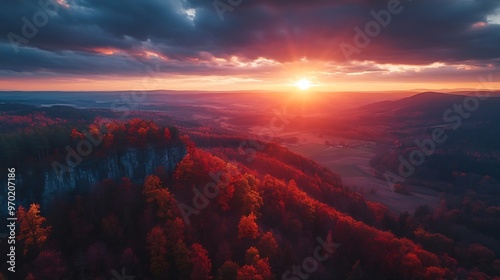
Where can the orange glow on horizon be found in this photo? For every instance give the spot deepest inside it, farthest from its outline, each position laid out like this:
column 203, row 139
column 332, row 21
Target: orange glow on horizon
column 213, row 83
column 260, row 75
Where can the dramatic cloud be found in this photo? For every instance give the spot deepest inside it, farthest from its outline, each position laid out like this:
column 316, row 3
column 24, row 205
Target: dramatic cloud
column 252, row 39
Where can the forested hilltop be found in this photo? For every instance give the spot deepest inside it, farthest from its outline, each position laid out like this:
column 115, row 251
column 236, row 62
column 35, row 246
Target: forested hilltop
column 221, row 212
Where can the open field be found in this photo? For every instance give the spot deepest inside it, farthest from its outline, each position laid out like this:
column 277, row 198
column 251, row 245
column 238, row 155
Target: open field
column 352, row 164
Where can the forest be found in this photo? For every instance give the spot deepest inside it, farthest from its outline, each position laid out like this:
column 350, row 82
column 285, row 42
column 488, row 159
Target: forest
column 226, row 212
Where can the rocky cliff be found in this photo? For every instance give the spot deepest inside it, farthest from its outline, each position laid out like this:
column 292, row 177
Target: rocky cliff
column 41, row 185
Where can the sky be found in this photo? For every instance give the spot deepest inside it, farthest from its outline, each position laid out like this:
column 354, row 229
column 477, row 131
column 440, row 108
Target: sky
column 224, row 45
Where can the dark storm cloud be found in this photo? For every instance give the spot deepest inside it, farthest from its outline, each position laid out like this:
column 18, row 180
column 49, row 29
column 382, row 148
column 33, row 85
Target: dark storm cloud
column 425, row 31
column 432, row 31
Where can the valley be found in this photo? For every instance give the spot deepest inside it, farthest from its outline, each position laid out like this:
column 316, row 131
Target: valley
column 283, row 173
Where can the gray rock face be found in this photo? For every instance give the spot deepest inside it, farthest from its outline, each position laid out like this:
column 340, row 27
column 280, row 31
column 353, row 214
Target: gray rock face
column 42, row 184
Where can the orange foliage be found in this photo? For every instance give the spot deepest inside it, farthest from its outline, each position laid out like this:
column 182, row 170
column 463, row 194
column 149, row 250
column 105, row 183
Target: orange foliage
column 158, row 197
column 76, row 135
column 32, row 232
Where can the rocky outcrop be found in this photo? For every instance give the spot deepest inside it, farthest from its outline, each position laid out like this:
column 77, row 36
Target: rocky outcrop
column 42, row 184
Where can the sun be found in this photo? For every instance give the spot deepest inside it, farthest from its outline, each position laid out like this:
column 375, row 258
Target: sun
column 303, row 84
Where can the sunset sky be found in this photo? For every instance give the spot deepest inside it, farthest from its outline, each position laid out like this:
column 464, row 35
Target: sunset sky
column 256, row 44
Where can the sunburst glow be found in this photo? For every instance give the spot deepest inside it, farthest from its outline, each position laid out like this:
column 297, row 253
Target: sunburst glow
column 303, row 84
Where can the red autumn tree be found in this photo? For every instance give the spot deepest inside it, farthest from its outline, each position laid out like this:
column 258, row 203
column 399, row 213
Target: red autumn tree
column 108, row 140
column 201, row 263
column 142, row 134
column 174, row 230
column 262, row 266
column 157, row 249
column 185, row 168
column 49, row 265
column 252, row 256
column 264, row 269
column 167, row 134
column 182, row 259
column 188, row 142
column 248, row 228
column 94, row 131
column 267, row 245
column 246, row 197
column 76, row 135
column 410, row 264
column 248, row 272
column 434, row 272
column 228, row 271
column 226, row 186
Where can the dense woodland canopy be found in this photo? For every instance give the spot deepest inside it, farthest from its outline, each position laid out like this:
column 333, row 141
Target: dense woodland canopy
column 30, row 134
column 271, row 208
